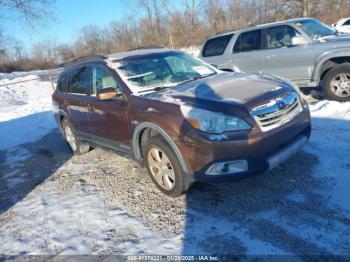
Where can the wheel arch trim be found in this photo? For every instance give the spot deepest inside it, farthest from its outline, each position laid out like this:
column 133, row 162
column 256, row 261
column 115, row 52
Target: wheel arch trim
column 136, row 147
column 317, row 72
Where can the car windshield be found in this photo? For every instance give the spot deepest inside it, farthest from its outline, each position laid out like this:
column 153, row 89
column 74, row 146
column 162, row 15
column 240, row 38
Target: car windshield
column 159, row 70
column 315, row 28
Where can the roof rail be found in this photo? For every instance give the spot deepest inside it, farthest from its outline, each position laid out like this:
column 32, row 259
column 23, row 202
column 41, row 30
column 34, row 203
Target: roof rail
column 225, row 31
column 147, row 47
column 79, row 59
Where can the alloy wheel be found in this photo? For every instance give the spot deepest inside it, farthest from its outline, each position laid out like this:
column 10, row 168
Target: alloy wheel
column 70, row 137
column 161, row 168
column 340, row 85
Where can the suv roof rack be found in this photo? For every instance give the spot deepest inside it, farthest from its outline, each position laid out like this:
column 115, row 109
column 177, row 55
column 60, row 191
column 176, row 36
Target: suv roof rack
column 225, row 31
column 147, row 47
column 75, row 60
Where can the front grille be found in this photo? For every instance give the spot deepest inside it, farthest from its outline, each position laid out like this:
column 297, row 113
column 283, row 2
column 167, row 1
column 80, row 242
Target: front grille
column 277, row 112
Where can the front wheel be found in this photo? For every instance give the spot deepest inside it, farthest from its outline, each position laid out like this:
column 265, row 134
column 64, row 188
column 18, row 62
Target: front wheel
column 164, row 168
column 337, row 83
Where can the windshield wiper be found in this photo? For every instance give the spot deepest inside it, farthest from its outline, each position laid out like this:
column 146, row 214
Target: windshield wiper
column 198, row 77
column 157, row 88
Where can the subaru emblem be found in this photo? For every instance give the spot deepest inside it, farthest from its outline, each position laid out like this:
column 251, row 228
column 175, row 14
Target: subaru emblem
column 281, row 104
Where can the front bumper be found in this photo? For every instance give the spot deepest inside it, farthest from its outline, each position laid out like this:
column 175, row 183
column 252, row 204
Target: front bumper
column 258, row 164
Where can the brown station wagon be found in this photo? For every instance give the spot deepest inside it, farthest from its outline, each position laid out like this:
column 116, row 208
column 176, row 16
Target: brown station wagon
column 183, row 119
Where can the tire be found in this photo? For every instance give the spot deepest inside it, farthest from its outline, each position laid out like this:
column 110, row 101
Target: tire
column 337, row 83
column 78, row 147
column 169, row 179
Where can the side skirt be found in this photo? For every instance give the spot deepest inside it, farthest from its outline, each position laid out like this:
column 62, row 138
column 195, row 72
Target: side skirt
column 107, row 144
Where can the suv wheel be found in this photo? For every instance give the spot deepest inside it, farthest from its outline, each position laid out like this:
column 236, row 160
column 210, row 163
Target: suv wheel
column 164, row 168
column 337, row 83
column 75, row 145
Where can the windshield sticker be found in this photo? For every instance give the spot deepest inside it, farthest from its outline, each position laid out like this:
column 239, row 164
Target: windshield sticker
column 202, row 70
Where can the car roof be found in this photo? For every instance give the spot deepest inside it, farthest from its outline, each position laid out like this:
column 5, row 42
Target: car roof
column 115, row 56
column 289, row 21
column 138, row 52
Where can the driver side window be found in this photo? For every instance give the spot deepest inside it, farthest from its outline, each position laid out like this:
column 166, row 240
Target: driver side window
column 281, row 36
column 103, row 79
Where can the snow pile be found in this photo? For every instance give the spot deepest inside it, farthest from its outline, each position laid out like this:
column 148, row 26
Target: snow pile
column 192, row 50
column 331, row 109
column 19, row 74
column 25, row 110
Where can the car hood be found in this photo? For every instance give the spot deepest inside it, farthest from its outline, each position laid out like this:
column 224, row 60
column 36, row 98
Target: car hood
column 238, row 89
column 341, row 39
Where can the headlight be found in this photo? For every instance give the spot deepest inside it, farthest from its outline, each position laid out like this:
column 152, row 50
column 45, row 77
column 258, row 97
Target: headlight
column 212, row 122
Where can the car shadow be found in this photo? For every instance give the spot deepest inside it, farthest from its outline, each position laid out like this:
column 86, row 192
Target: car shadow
column 24, row 166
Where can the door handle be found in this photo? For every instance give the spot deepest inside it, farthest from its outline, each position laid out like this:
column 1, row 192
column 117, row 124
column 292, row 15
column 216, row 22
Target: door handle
column 90, row 107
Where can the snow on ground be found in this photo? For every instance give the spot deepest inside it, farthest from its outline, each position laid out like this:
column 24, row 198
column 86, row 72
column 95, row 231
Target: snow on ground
column 100, row 203
column 25, row 110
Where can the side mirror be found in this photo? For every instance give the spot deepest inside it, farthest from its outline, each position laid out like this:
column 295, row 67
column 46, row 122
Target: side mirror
column 298, row 40
column 107, row 93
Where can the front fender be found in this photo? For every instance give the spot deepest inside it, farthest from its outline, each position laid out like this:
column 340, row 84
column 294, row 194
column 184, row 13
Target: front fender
column 136, row 145
column 228, row 66
column 334, row 53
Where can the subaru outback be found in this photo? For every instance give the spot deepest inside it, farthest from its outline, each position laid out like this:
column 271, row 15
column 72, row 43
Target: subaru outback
column 179, row 116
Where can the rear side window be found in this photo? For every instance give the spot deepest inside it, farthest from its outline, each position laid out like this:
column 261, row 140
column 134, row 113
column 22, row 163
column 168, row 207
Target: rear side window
column 216, row 46
column 80, row 80
column 347, row 22
column 248, row 41
column 62, row 83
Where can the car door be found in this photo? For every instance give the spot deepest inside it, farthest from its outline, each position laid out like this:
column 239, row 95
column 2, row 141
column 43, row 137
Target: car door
column 287, row 54
column 108, row 118
column 79, row 81
column 247, row 52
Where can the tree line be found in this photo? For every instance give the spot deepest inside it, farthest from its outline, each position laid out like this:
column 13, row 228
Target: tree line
column 160, row 22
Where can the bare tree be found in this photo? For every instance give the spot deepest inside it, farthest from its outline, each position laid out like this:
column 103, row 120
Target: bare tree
column 31, row 10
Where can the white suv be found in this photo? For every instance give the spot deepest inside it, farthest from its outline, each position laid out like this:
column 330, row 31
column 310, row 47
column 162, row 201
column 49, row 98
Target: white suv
column 343, row 25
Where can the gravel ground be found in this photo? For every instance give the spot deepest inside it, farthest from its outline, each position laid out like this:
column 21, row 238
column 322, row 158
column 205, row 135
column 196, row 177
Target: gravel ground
column 285, row 210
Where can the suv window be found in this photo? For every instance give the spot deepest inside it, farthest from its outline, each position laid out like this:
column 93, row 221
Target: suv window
column 216, row 46
column 80, row 80
column 103, row 79
column 280, row 36
column 248, row 41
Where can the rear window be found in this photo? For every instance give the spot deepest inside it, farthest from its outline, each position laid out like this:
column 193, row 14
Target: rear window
column 216, row 46
column 347, row 22
column 248, row 41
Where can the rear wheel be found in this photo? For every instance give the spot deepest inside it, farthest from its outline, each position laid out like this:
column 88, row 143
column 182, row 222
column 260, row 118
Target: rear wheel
column 164, row 168
column 78, row 147
column 337, row 83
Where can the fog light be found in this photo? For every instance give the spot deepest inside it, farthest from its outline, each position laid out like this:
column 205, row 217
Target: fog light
column 228, row 167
